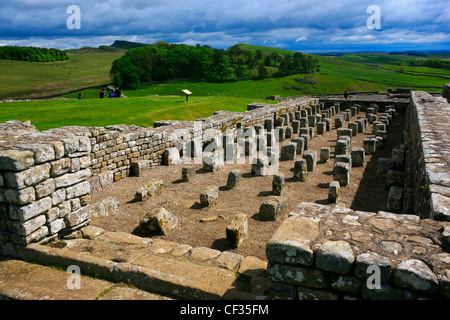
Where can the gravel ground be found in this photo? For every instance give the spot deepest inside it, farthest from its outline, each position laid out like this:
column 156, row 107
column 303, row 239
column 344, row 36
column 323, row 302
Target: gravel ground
column 365, row 192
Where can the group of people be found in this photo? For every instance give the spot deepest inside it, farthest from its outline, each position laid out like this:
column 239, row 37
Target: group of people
column 112, row 93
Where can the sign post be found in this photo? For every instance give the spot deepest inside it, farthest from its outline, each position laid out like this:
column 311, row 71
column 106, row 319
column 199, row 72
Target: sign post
column 187, row 92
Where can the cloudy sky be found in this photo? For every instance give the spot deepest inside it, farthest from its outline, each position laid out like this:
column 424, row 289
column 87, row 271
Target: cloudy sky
column 301, row 25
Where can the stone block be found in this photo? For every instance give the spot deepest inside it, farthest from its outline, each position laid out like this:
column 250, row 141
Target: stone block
column 233, row 179
column 354, row 127
column 312, row 119
column 383, row 166
column 338, row 122
column 341, row 173
column 370, row 145
column 288, row 151
column 398, row 158
column 268, row 125
column 321, row 128
column 278, row 184
column 295, row 126
column 213, row 161
column 237, row 230
column 24, row 213
column 366, row 261
column 334, row 191
column 194, row 148
column 210, row 196
column 291, row 242
column 335, row 256
column 395, row 200
column 288, row 134
column 272, row 208
column 416, row 275
column 260, row 166
column 299, row 142
column 303, row 122
column 358, row 157
column 306, row 139
column 16, row 160
column 324, row 154
column 171, row 156
column 395, row 178
column 188, row 173
column 138, row 167
column 77, row 217
column 27, row 178
column 342, row 147
column 159, row 221
column 300, row 170
column 311, row 159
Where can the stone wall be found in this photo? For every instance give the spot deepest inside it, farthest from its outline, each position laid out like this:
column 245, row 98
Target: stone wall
column 46, row 178
column 329, row 252
column 429, row 144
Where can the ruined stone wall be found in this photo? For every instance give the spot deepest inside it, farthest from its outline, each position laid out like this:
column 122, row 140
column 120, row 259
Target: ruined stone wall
column 330, row 252
column 46, row 178
column 429, row 145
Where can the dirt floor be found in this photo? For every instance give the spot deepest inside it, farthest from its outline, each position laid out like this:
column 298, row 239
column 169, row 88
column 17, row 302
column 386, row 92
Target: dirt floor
column 366, row 191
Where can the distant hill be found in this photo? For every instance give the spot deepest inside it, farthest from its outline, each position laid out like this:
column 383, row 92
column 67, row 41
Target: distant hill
column 127, row 44
column 92, row 50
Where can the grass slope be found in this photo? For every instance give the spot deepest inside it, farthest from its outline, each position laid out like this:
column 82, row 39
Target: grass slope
column 21, row 79
column 140, row 111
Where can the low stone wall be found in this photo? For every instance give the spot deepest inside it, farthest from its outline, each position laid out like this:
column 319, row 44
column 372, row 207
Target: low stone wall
column 330, row 252
column 429, row 144
column 46, row 178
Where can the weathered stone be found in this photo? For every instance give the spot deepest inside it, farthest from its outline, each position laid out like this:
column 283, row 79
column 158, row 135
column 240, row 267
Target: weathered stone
column 24, row 213
column 341, row 173
column 91, row 232
column 137, row 168
column 370, row 145
column 213, row 161
column 45, row 188
column 278, row 184
column 237, row 230
column 60, row 167
column 342, row 283
column 297, row 275
column 445, row 284
column 260, row 166
column 210, row 196
column 70, row 179
column 229, row 260
column 233, row 179
column 42, row 152
column 159, row 221
column 305, row 293
column 395, row 178
column 358, row 157
column 20, row 197
column 335, row 256
column 306, row 139
column 16, row 160
column 416, row 275
column 334, row 191
column 26, row 178
column 272, row 208
column 383, row 166
column 365, row 263
column 321, row 128
column 342, row 147
column 324, row 154
column 204, row 254
column 311, row 159
column 77, row 217
column 300, row 170
column 188, row 173
column 291, row 242
column 395, row 199
column 27, row 227
column 288, row 152
column 300, row 143
column 78, row 190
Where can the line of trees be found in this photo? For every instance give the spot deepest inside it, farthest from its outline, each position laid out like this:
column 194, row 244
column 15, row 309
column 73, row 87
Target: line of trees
column 178, row 61
column 431, row 63
column 34, row 54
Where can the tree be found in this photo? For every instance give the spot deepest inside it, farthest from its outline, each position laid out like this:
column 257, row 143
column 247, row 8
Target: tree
column 262, row 71
column 286, row 65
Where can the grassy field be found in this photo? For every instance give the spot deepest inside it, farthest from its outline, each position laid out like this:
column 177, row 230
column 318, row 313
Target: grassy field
column 140, row 111
column 90, row 67
column 20, row 79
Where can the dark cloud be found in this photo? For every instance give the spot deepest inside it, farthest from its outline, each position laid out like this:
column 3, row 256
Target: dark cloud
column 293, row 24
